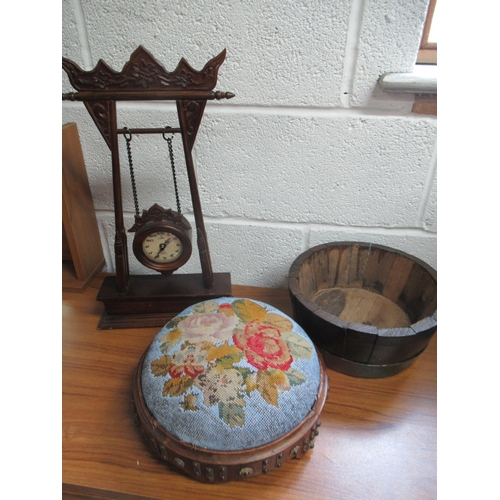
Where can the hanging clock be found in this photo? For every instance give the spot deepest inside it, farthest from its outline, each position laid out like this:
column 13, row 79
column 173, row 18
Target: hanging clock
column 162, row 236
column 162, row 240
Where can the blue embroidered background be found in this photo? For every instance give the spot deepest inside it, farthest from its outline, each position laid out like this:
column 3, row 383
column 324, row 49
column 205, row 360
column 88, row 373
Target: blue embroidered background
column 230, row 374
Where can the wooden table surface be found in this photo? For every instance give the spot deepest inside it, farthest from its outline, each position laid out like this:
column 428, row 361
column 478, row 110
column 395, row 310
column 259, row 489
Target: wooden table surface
column 377, row 439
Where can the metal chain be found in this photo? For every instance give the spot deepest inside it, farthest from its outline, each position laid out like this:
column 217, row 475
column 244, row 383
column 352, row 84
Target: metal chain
column 128, row 139
column 172, row 163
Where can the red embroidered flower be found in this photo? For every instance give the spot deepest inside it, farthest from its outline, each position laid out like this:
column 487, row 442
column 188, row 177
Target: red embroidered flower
column 263, row 346
column 226, row 309
column 189, row 361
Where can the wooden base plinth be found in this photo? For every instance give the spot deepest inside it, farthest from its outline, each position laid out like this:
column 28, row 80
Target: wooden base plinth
column 152, row 300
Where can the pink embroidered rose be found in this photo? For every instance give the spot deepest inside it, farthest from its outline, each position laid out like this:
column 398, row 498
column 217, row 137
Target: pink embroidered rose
column 212, row 327
column 263, row 346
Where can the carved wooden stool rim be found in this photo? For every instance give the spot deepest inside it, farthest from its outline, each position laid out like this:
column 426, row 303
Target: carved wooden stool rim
column 218, row 466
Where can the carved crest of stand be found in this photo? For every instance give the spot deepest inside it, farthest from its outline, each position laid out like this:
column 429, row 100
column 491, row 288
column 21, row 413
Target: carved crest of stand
column 150, row 300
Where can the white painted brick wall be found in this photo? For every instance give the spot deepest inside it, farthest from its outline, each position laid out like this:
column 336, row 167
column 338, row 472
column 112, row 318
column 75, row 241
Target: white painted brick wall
column 389, row 37
column 309, row 151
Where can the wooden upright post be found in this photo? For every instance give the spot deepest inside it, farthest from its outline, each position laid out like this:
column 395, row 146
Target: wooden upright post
column 206, row 264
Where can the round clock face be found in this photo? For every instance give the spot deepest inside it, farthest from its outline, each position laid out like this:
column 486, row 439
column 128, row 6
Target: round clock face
column 162, row 247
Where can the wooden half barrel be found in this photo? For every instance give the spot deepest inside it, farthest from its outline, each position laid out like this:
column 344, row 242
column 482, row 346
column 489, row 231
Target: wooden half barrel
column 371, row 310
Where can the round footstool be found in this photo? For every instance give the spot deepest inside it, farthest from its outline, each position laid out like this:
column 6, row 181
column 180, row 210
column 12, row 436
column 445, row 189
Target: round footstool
column 230, row 388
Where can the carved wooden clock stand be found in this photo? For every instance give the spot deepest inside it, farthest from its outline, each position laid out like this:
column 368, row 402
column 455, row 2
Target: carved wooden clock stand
column 151, row 300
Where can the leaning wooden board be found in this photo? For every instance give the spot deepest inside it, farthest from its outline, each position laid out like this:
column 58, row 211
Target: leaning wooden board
column 377, row 438
column 82, row 252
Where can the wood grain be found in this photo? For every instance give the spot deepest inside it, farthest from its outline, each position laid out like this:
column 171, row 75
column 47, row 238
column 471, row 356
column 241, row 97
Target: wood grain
column 377, row 439
column 361, row 306
column 81, row 243
column 425, row 104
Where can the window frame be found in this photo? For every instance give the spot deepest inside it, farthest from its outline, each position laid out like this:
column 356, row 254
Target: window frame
column 427, row 53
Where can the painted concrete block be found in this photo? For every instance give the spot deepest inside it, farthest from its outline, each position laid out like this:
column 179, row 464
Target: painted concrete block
column 279, row 53
column 388, row 42
column 361, row 171
column 430, row 220
column 255, row 254
column 71, row 46
column 95, row 153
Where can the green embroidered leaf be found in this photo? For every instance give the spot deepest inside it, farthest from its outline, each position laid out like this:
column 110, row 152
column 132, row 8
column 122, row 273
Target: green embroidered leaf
column 280, row 322
column 266, row 386
column 189, row 402
column 250, row 382
column 177, row 386
column 279, row 379
column 245, row 372
column 160, row 366
column 174, row 322
column 229, row 361
column 185, row 345
column 295, row 377
column 169, row 340
column 269, row 393
column 299, row 346
column 232, row 414
column 248, row 310
column 240, row 400
column 205, row 307
column 224, row 350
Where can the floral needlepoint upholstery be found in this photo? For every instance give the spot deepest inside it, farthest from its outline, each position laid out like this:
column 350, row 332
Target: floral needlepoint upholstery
column 230, row 374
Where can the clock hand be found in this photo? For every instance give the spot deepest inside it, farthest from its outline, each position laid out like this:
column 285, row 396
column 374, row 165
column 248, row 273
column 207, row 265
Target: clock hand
column 163, row 246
